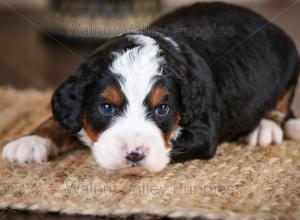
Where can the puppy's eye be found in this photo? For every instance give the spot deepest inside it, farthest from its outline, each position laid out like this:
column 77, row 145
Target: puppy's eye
column 107, row 109
column 162, row 110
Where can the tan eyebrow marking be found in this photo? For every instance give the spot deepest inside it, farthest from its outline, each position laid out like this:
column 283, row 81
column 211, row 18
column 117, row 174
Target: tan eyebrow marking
column 284, row 102
column 113, row 95
column 157, row 96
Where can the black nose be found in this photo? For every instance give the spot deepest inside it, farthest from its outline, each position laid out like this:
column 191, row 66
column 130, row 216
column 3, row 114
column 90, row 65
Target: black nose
column 135, row 156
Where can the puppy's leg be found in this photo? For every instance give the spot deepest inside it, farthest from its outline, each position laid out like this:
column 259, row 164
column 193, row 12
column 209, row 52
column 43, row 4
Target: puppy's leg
column 45, row 141
column 269, row 130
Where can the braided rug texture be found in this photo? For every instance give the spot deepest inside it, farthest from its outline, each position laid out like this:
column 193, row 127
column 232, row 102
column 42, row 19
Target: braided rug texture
column 241, row 182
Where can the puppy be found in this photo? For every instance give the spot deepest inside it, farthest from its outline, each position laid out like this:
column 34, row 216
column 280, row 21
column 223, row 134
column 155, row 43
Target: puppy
column 173, row 92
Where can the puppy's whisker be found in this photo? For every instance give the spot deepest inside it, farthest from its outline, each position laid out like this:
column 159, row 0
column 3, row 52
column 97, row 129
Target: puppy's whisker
column 176, row 153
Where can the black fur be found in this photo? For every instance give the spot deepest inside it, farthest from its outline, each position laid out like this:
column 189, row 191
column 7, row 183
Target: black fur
column 231, row 69
column 66, row 100
column 243, row 75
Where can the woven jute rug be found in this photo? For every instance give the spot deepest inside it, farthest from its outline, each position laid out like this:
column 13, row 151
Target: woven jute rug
column 241, row 182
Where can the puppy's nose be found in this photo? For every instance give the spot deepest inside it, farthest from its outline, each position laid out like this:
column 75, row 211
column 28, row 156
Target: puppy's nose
column 135, row 156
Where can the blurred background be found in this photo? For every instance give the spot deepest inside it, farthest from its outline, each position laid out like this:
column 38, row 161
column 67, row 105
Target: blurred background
column 43, row 41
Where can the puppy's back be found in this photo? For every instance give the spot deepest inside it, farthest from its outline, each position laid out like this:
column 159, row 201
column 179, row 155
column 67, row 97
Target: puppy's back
column 253, row 62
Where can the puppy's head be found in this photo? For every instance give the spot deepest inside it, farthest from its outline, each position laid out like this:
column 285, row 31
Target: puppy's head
column 122, row 105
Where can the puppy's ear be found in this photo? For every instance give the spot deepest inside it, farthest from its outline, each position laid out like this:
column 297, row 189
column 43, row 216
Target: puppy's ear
column 66, row 100
column 198, row 106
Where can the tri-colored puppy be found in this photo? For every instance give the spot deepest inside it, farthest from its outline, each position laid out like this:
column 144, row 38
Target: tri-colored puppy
column 173, row 92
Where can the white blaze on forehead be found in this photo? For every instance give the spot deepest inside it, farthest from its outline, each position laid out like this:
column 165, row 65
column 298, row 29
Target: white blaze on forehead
column 138, row 67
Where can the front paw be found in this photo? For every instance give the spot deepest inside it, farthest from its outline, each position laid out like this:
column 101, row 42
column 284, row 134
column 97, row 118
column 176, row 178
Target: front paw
column 28, row 149
column 267, row 133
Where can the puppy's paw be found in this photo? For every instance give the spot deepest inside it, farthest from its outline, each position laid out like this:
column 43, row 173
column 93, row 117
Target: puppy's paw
column 267, row 133
column 28, row 149
column 292, row 129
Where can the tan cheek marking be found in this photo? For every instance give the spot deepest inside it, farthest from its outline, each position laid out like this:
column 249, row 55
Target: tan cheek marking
column 113, row 95
column 168, row 135
column 278, row 114
column 283, row 104
column 157, row 96
column 93, row 135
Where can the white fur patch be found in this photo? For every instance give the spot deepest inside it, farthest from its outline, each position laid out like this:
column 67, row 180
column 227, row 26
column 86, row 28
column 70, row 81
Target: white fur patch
column 137, row 68
column 84, row 138
column 142, row 39
column 126, row 136
column 292, row 129
column 176, row 133
column 172, row 42
column 267, row 133
column 31, row 149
